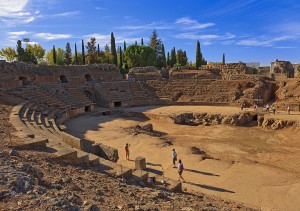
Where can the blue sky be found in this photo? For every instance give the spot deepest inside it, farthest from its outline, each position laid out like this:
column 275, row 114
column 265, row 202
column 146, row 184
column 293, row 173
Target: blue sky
column 245, row 30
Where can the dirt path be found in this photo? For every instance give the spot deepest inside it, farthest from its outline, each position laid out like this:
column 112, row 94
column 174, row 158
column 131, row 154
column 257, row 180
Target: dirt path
column 254, row 166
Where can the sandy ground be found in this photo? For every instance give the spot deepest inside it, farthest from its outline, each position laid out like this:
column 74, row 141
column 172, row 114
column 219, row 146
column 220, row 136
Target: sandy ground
column 255, row 166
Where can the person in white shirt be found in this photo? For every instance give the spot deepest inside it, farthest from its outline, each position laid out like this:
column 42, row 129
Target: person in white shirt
column 180, row 170
column 174, row 156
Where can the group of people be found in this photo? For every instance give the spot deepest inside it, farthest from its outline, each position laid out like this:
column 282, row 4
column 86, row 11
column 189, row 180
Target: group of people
column 266, row 109
column 174, row 158
column 180, row 165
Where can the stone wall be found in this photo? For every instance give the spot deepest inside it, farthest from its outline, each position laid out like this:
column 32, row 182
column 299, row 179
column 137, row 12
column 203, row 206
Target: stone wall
column 42, row 74
column 195, row 74
column 230, row 69
column 89, row 146
column 144, row 73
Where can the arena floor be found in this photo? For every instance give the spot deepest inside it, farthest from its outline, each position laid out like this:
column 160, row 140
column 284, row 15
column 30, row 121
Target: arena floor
column 259, row 167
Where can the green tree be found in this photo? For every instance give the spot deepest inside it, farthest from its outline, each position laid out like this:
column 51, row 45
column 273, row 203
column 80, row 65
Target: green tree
column 163, row 55
column 68, row 54
column 39, row 52
column 168, row 59
column 198, row 55
column 124, row 48
column 142, row 41
column 60, row 56
column 79, row 58
column 82, row 52
column 54, row 55
column 91, row 51
column 121, row 57
column 21, row 55
column 223, row 58
column 98, row 50
column 75, row 57
column 173, row 57
column 157, row 45
column 181, row 57
column 29, row 54
column 139, row 56
column 8, row 53
column 49, row 57
column 107, row 54
column 113, row 49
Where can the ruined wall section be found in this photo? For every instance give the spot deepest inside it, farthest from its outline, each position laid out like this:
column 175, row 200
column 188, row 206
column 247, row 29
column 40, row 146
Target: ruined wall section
column 230, row 70
column 144, row 74
column 43, row 74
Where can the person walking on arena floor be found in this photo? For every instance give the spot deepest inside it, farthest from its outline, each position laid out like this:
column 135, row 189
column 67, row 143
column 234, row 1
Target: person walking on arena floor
column 174, row 156
column 127, row 151
column 180, row 170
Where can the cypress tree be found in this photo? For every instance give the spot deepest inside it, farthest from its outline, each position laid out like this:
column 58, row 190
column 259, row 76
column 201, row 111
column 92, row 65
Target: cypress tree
column 124, row 46
column 68, row 54
column 98, row 50
column 83, row 53
column 163, row 54
column 142, row 41
column 76, row 55
column 168, row 59
column 54, row 54
column 198, row 55
column 223, row 58
column 173, row 57
column 135, row 42
column 121, row 57
column 113, row 49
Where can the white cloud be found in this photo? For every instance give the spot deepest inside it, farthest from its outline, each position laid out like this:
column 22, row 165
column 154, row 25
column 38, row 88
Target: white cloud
column 194, row 36
column 12, row 8
column 285, row 47
column 266, row 42
column 186, row 20
column 189, row 24
column 17, row 33
column 50, row 36
column 150, row 26
column 66, row 14
column 100, row 8
column 15, row 12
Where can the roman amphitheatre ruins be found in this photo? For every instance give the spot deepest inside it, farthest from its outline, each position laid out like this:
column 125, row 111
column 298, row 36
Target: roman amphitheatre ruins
column 82, row 117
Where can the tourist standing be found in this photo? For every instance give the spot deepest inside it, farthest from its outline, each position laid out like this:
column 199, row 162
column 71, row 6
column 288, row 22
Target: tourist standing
column 274, row 109
column 267, row 108
column 127, row 151
column 180, row 170
column 174, row 156
column 289, row 110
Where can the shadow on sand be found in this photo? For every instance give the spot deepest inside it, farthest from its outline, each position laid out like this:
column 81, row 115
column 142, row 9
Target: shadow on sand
column 208, row 187
column 201, row 172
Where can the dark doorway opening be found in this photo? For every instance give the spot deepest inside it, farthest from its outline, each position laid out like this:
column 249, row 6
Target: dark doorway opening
column 117, row 104
column 87, row 109
column 88, row 77
column 24, row 81
column 254, row 118
column 63, row 79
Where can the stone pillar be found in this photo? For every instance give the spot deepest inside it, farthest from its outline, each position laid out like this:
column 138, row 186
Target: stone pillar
column 140, row 163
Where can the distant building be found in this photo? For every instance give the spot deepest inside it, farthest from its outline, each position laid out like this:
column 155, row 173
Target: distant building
column 253, row 64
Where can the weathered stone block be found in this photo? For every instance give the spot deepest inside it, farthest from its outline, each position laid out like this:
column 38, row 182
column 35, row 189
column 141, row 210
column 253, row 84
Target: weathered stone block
column 140, row 175
column 140, row 163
